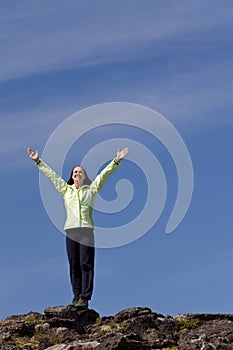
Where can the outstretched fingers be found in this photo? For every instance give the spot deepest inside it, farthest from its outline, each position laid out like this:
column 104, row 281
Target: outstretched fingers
column 123, row 153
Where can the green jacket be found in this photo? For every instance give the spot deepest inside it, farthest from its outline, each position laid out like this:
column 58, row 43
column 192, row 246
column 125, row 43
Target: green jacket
column 78, row 202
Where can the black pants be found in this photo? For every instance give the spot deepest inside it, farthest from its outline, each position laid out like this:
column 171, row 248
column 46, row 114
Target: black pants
column 81, row 256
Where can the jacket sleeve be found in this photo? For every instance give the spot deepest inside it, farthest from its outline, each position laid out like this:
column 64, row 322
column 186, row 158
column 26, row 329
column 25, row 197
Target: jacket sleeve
column 58, row 182
column 100, row 179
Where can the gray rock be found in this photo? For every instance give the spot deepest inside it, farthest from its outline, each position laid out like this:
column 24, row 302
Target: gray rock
column 139, row 328
column 70, row 317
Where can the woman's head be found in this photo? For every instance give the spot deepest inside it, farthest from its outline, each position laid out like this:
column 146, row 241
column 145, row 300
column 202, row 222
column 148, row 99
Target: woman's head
column 79, row 174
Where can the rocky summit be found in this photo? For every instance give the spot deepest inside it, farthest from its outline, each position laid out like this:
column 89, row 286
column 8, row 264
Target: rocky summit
column 65, row 328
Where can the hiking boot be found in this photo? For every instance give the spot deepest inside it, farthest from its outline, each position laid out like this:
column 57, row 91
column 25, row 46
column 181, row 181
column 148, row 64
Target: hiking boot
column 81, row 304
column 74, row 301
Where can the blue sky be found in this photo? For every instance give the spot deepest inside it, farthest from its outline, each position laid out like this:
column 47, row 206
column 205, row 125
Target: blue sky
column 58, row 57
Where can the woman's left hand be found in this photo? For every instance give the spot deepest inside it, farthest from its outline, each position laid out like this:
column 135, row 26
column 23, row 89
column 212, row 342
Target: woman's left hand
column 121, row 154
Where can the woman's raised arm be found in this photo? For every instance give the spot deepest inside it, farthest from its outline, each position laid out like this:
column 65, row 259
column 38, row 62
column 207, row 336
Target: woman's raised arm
column 100, row 179
column 57, row 180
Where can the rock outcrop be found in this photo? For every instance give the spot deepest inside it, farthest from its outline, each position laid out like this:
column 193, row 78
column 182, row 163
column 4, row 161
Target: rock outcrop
column 65, row 328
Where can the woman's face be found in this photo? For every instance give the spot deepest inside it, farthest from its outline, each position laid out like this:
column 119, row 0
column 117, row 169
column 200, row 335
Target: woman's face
column 78, row 174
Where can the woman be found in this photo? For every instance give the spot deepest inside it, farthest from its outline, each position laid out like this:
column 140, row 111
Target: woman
column 79, row 194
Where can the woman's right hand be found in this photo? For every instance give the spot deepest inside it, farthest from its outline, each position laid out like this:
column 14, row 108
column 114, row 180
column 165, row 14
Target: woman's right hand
column 33, row 155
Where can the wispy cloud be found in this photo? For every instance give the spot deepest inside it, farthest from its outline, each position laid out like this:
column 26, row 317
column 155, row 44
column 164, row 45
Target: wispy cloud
column 198, row 95
column 36, row 39
column 192, row 84
column 31, row 127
